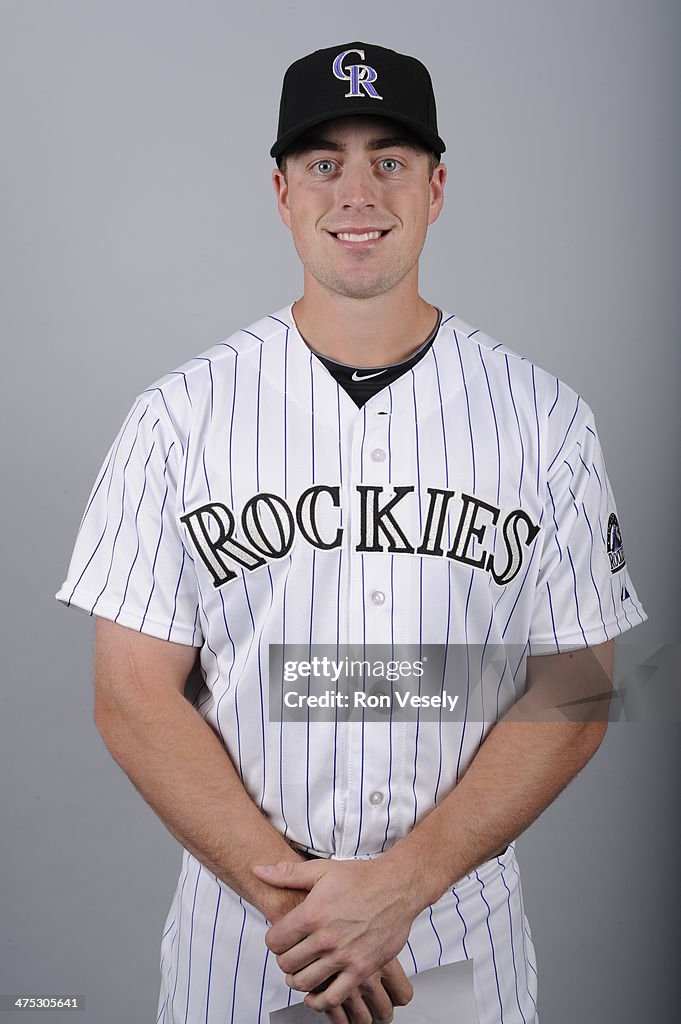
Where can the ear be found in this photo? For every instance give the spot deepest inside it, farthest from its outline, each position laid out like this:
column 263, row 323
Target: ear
column 437, row 192
column 281, row 192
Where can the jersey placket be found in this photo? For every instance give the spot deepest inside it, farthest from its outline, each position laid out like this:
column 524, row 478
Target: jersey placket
column 368, row 621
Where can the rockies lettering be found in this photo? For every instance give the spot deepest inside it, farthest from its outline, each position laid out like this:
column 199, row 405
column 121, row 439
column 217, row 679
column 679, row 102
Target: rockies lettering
column 269, row 524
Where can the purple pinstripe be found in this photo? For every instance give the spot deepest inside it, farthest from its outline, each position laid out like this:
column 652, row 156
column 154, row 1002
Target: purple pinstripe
column 106, row 523
column 137, row 512
column 212, row 950
column 491, row 942
column 191, row 936
column 158, row 545
column 520, row 433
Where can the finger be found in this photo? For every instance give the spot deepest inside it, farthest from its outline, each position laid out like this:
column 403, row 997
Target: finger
column 357, row 1010
column 396, row 983
column 314, row 975
column 337, row 1015
column 304, row 953
column 335, row 994
column 290, row 874
column 354, row 1011
column 376, row 998
column 289, row 930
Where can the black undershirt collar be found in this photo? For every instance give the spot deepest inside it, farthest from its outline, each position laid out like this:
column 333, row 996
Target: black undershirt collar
column 362, row 382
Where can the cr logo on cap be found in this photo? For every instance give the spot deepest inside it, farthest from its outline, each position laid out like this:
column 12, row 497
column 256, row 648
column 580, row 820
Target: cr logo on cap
column 361, row 76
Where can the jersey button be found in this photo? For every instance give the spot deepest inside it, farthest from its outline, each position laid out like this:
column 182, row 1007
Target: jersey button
column 377, row 597
column 376, row 798
column 378, row 455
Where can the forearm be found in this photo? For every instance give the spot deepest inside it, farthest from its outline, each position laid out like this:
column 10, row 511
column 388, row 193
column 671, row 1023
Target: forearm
column 175, row 760
column 518, row 771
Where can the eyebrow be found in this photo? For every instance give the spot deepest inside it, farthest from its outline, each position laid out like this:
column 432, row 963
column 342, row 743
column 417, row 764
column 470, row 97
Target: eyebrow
column 388, row 142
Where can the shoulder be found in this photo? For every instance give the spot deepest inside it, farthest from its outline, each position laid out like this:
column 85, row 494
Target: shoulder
column 560, row 410
column 181, row 393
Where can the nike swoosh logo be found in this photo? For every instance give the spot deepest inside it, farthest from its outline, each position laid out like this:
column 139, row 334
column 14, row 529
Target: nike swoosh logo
column 366, row 376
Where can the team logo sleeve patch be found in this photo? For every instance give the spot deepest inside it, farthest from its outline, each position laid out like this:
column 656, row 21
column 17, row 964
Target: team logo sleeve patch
column 614, row 544
column 578, row 602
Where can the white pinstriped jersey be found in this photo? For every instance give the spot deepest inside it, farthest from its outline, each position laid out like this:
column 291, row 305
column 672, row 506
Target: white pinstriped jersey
column 247, row 501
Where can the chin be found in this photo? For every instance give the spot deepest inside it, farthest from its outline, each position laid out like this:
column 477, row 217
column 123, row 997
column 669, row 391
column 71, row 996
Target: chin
column 361, row 288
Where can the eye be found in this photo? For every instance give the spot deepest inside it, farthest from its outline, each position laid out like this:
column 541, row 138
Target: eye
column 324, row 167
column 388, row 163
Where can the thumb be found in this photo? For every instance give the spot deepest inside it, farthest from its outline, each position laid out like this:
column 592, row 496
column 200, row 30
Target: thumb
column 290, row 874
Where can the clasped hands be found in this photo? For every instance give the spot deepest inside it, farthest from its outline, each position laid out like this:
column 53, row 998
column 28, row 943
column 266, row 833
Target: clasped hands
column 340, row 944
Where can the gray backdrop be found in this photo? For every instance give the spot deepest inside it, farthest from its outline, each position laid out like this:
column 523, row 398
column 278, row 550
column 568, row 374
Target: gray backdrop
column 139, row 228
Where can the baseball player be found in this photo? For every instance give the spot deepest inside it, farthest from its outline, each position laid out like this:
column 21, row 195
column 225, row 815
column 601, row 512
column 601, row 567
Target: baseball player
column 358, row 468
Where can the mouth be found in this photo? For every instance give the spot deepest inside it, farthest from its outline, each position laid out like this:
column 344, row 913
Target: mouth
column 360, row 239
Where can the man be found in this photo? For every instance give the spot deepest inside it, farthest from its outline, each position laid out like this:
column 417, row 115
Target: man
column 360, row 468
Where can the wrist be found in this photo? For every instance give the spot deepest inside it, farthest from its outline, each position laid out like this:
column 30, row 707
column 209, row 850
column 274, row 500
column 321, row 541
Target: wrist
column 418, row 873
column 276, row 903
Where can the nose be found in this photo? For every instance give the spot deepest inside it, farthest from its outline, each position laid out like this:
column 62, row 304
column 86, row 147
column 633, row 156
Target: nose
column 357, row 187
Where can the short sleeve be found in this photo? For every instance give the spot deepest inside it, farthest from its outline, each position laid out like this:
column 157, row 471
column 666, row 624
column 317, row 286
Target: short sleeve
column 129, row 563
column 584, row 593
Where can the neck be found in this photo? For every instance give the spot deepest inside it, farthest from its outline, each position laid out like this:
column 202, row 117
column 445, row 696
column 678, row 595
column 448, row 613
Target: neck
column 377, row 331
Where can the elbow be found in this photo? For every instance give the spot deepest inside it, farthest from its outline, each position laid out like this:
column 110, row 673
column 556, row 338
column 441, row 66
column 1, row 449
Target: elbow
column 102, row 713
column 597, row 731
column 103, row 722
column 115, row 728
column 592, row 735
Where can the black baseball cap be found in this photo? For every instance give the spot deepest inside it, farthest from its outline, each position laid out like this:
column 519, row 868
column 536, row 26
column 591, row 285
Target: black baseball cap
column 357, row 78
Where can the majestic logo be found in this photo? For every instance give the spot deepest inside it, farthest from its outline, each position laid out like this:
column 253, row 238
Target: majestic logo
column 614, row 545
column 360, row 76
column 269, row 525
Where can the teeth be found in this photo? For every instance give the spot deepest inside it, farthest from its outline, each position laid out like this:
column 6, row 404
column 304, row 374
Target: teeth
column 345, row 237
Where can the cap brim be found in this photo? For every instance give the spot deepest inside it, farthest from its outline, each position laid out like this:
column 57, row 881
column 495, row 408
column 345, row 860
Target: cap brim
column 429, row 139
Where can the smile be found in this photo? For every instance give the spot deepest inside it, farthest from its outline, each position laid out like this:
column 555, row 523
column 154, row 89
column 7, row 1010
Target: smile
column 360, row 239
column 345, row 237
